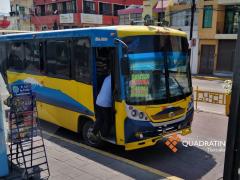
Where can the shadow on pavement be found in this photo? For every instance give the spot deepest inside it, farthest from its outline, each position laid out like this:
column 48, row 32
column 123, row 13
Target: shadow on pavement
column 106, row 161
column 187, row 162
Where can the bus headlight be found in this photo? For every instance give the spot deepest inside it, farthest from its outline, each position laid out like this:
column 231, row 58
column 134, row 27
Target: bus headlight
column 141, row 115
column 136, row 114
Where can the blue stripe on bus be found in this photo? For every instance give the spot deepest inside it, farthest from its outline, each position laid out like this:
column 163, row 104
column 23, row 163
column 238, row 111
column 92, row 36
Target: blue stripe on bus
column 57, row 98
column 156, row 56
column 99, row 37
column 146, row 56
column 154, row 60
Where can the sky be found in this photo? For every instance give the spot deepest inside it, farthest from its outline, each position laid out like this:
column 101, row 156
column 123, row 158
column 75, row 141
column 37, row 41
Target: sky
column 4, row 6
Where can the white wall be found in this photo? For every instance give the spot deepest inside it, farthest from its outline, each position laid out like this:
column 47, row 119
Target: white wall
column 194, row 56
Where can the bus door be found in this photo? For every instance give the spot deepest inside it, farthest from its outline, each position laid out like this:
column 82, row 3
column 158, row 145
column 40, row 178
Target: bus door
column 105, row 65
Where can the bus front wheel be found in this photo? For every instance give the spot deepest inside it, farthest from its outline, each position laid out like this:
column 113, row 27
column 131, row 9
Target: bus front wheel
column 86, row 134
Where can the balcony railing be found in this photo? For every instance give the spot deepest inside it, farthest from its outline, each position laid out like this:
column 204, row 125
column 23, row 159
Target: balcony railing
column 49, row 13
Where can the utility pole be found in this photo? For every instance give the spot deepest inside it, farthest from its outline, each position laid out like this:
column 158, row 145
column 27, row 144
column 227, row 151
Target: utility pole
column 232, row 154
column 192, row 18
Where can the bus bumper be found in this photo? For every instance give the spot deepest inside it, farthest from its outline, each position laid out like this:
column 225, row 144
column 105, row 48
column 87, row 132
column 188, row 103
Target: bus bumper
column 143, row 143
column 154, row 140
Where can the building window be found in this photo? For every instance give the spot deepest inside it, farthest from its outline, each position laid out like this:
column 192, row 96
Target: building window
column 42, row 10
column 22, row 10
column 117, row 7
column 105, row 9
column 177, row 19
column 82, row 66
column 54, row 8
column 232, row 18
column 49, row 9
column 64, row 5
column 69, row 7
column 135, row 17
column 60, row 7
column 124, row 19
column 74, row 6
column 89, row 7
column 207, row 16
column 58, row 61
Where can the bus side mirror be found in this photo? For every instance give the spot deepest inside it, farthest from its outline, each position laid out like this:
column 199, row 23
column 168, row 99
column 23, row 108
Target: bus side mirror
column 125, row 66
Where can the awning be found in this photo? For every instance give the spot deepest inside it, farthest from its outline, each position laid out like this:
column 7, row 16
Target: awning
column 131, row 9
column 160, row 6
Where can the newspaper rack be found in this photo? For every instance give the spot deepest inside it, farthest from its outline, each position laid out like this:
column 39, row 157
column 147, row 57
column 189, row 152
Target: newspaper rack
column 26, row 145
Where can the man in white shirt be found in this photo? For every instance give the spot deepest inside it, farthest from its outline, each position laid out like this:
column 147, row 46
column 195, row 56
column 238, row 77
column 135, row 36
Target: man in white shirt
column 103, row 108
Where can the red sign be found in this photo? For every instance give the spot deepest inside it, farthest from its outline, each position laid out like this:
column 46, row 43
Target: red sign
column 4, row 23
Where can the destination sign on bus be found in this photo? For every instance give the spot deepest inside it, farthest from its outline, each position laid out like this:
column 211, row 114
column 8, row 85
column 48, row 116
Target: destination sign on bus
column 139, row 84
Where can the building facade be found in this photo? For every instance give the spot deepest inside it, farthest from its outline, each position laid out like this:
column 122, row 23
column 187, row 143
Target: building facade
column 176, row 12
column 150, row 9
column 20, row 15
column 131, row 15
column 63, row 14
column 179, row 16
column 218, row 26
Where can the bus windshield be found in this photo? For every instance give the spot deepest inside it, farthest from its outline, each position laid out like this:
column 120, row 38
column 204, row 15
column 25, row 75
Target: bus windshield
column 159, row 69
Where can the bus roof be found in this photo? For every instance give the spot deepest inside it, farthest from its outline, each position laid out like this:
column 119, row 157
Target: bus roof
column 3, row 32
column 129, row 30
column 121, row 30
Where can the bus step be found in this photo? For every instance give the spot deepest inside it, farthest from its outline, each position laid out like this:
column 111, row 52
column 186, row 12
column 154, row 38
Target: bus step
column 109, row 139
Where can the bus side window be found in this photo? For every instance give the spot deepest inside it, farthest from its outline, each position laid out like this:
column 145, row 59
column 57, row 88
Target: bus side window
column 32, row 56
column 82, row 61
column 16, row 56
column 58, row 58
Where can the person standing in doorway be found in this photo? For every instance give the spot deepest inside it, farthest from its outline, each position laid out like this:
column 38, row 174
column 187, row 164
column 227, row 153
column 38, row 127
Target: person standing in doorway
column 103, row 109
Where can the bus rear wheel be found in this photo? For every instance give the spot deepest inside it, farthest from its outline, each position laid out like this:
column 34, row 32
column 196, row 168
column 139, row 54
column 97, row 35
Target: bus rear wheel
column 86, row 134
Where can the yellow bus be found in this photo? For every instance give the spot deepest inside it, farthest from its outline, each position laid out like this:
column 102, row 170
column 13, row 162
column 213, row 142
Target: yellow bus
column 151, row 80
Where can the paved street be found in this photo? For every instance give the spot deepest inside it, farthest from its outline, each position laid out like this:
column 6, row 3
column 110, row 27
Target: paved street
column 194, row 162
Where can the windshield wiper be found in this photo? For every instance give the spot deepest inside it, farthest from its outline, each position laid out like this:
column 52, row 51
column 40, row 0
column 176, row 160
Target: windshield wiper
column 179, row 87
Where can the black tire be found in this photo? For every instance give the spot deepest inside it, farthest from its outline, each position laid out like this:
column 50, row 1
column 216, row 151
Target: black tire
column 87, row 127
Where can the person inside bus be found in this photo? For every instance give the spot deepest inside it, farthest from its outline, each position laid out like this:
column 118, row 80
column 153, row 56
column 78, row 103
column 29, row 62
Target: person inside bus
column 103, row 109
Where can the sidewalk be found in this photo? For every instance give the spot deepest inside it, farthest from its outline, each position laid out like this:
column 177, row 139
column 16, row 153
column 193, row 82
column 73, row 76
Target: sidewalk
column 210, row 78
column 69, row 161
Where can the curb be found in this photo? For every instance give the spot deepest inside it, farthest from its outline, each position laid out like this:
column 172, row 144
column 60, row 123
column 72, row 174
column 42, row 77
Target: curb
column 210, row 78
column 210, row 112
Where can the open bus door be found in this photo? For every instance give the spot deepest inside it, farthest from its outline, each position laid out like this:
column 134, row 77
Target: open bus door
column 105, row 65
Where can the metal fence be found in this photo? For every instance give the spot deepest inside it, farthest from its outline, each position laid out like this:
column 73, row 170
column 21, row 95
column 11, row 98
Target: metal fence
column 211, row 97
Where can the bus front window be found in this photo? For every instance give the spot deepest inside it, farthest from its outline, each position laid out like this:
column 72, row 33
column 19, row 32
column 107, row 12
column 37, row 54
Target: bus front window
column 177, row 64
column 159, row 69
